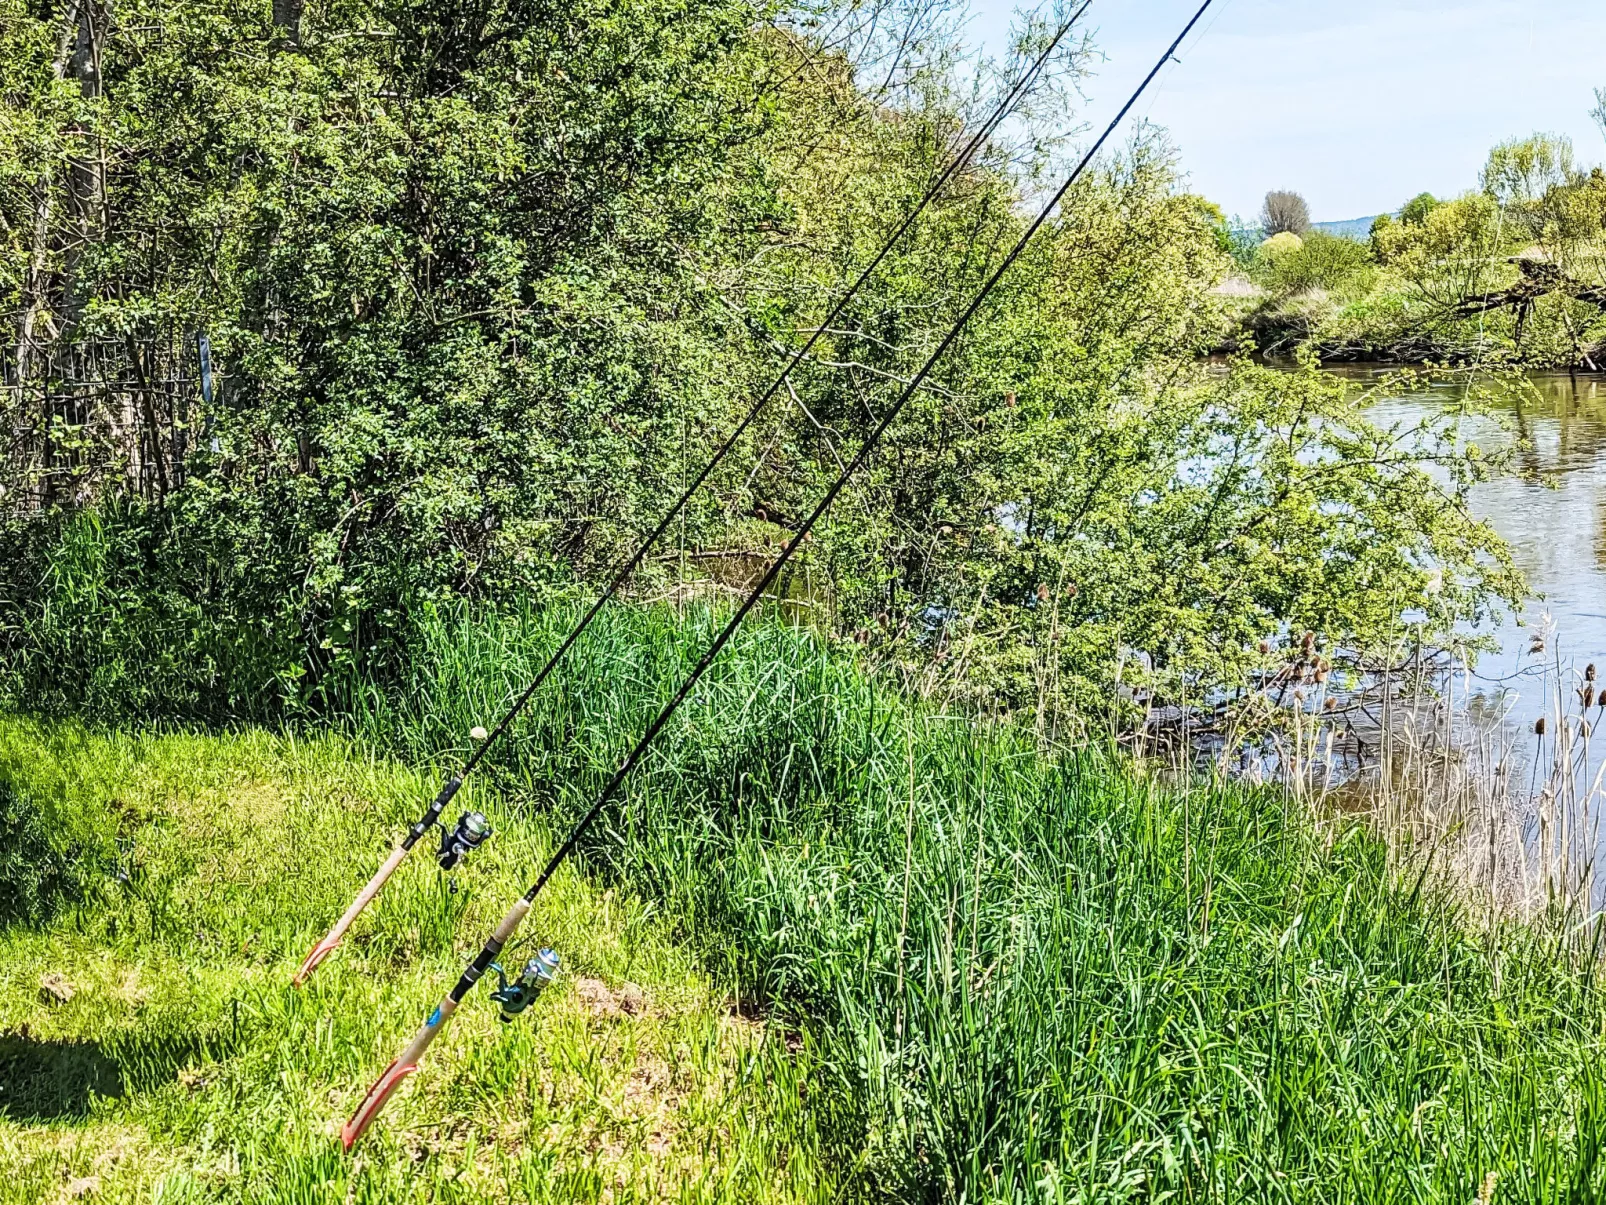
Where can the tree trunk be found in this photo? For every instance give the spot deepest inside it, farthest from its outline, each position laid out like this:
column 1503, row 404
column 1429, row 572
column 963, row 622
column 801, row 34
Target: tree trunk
column 86, row 172
column 287, row 16
column 38, row 328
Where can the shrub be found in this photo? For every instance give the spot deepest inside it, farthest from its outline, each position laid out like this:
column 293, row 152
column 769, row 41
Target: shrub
column 1321, row 261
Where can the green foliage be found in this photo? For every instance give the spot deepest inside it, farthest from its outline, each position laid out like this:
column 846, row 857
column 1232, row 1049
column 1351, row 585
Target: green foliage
column 1321, row 261
column 1284, row 242
column 1515, row 272
column 1520, row 172
column 1416, row 210
column 490, row 283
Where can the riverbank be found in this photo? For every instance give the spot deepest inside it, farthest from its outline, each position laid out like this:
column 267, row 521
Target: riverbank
column 1377, row 330
column 978, row 970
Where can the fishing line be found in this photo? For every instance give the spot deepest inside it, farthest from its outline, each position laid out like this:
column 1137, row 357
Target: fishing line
column 472, row 828
column 407, row 1062
column 797, row 357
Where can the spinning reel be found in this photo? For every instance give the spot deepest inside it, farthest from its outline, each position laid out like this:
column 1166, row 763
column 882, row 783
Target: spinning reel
column 517, row 996
column 471, row 832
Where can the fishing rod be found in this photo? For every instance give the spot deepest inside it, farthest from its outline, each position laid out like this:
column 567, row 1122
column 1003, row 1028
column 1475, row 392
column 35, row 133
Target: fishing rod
column 472, row 829
column 407, row 1062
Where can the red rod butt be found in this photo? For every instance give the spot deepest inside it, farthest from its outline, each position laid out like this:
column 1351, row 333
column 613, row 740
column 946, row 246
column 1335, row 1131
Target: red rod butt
column 319, row 952
column 375, row 1101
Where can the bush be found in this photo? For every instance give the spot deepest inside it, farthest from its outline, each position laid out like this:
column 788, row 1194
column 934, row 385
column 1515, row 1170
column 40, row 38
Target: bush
column 1321, row 261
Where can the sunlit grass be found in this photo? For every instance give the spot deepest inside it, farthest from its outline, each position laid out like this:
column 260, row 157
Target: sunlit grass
column 185, row 1068
column 1033, row 978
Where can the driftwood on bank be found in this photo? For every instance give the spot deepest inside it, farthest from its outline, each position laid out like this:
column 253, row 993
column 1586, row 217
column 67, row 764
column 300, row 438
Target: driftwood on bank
column 1540, row 278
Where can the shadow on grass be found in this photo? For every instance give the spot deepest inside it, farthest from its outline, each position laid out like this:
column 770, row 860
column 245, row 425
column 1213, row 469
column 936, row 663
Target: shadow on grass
column 53, row 1080
column 42, row 1081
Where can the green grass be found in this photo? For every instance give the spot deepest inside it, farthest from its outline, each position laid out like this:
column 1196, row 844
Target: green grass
column 184, row 1068
column 999, row 976
column 1031, row 979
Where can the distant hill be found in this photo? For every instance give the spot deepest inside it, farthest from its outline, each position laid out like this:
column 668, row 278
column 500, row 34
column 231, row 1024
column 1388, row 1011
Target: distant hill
column 1359, row 229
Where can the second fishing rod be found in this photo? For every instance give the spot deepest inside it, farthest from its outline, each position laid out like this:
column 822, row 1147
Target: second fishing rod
column 472, row 829
column 407, row 1062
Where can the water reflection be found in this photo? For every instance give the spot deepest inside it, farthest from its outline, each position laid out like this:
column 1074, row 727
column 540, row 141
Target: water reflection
column 1551, row 510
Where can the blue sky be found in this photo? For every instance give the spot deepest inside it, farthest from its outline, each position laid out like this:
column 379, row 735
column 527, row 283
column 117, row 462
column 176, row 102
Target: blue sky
column 1358, row 105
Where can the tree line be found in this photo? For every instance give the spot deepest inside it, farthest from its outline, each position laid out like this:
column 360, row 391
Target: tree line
column 483, row 282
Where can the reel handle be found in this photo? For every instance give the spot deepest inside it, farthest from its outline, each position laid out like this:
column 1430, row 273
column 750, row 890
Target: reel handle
column 406, row 1062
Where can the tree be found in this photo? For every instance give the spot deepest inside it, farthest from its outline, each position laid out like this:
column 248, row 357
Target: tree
column 487, row 281
column 1520, row 172
column 1416, row 210
column 1599, row 111
column 1284, row 211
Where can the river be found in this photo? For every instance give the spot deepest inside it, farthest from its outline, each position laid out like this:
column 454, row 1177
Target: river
column 1551, row 510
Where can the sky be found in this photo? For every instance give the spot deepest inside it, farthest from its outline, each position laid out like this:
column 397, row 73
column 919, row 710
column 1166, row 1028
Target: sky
column 1357, row 104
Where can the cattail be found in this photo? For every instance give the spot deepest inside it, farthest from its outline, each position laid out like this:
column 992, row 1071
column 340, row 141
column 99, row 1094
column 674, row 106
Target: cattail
column 1009, row 398
column 1042, row 592
column 1589, row 672
column 1265, row 647
column 1309, row 642
column 1538, row 644
column 1070, row 591
column 1583, row 729
column 1589, row 695
column 1539, row 726
column 1330, row 704
column 862, row 636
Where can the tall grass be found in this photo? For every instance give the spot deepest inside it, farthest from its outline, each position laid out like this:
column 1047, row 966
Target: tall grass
column 1036, row 979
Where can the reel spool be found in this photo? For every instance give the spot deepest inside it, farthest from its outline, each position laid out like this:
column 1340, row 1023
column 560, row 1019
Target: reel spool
column 472, row 831
column 518, row 995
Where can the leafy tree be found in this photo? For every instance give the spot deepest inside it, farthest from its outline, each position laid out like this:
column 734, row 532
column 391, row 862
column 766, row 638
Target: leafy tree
column 487, row 282
column 1416, row 210
column 1284, row 212
column 1448, row 256
column 1528, row 178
